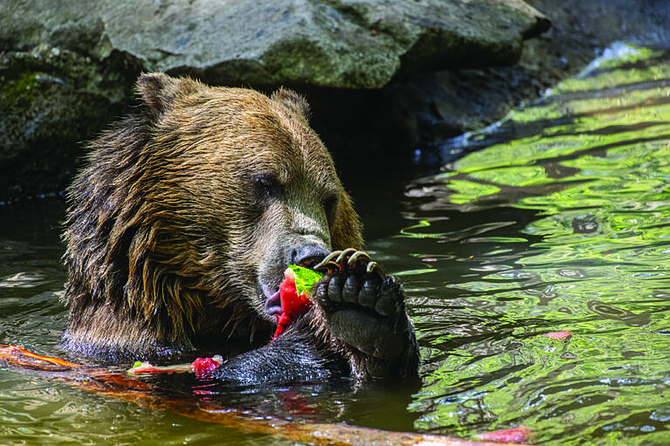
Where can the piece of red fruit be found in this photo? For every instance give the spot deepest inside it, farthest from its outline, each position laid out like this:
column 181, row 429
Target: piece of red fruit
column 203, row 366
column 292, row 304
column 200, row 366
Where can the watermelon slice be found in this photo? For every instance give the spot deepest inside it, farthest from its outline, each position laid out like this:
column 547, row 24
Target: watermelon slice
column 294, row 294
column 200, row 367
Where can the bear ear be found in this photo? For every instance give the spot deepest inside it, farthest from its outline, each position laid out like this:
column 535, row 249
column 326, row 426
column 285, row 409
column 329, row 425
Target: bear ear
column 293, row 101
column 158, row 91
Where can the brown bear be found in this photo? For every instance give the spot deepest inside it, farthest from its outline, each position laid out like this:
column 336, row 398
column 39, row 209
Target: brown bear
column 180, row 227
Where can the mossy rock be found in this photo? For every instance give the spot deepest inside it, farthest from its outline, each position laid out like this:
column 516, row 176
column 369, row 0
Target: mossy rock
column 48, row 107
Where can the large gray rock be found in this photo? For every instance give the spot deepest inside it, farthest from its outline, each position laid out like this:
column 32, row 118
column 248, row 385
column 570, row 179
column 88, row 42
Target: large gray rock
column 334, row 43
column 67, row 68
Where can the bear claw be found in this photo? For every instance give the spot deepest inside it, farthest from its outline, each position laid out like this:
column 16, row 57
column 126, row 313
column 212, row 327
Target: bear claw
column 351, row 281
column 352, row 257
column 364, row 308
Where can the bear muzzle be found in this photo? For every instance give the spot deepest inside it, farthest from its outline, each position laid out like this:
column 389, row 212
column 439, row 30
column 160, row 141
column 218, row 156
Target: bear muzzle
column 306, row 256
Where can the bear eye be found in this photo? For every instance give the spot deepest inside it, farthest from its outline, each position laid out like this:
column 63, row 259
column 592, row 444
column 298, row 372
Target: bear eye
column 267, row 186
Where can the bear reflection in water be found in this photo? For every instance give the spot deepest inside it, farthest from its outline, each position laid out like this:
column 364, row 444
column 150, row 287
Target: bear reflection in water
column 180, row 227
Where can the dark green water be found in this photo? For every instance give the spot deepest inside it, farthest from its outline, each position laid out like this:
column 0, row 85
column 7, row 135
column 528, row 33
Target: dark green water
column 560, row 221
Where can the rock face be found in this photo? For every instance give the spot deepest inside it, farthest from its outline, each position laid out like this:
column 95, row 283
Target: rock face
column 67, row 68
column 333, row 43
column 448, row 103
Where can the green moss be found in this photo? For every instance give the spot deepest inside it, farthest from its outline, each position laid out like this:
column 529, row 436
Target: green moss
column 19, row 92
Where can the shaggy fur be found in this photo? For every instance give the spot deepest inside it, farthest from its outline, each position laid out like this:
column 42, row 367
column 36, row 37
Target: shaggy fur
column 165, row 227
column 182, row 223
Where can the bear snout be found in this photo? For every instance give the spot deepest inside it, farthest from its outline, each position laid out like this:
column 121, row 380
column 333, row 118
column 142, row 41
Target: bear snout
column 306, row 255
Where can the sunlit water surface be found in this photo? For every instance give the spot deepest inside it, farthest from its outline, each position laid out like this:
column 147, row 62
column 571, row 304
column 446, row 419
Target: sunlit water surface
column 559, row 221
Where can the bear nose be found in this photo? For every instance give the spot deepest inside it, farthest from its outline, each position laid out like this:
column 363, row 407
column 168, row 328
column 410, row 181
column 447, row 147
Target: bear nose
column 307, row 255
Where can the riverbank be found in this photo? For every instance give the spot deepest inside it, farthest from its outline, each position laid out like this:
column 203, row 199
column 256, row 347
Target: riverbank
column 388, row 81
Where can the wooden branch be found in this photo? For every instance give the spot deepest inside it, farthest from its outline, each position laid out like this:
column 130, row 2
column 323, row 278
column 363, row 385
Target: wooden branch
column 127, row 388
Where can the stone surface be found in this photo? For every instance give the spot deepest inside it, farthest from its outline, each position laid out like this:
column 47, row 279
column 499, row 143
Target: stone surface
column 334, row 43
column 67, row 68
column 444, row 104
column 51, row 100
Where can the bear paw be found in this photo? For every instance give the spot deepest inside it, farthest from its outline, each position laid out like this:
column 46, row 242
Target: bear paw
column 364, row 309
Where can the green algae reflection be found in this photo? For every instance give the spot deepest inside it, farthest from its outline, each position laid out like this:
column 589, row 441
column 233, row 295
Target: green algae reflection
column 592, row 163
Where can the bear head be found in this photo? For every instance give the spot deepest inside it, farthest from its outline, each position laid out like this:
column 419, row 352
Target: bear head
column 188, row 211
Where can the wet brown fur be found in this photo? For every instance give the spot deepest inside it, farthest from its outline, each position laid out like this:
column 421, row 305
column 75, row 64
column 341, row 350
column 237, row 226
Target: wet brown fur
column 165, row 231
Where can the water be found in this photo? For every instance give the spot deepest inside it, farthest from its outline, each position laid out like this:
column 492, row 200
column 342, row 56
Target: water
column 559, row 221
